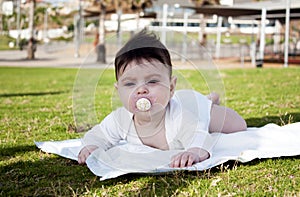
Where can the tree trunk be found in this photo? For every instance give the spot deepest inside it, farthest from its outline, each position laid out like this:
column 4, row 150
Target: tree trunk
column 1, row 14
column 1, row 23
column 31, row 43
column 119, row 30
column 101, row 51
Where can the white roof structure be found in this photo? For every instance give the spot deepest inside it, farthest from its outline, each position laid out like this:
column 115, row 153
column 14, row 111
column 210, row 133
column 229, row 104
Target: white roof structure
column 282, row 10
column 269, row 5
column 253, row 9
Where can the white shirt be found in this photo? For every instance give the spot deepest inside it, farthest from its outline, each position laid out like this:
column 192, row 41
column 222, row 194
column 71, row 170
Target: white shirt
column 186, row 123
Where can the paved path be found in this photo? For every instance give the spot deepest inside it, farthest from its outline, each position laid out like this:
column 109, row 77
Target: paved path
column 62, row 55
column 59, row 55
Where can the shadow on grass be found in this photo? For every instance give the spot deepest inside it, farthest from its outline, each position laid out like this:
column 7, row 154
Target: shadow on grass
column 27, row 171
column 279, row 120
column 232, row 165
column 32, row 94
column 14, row 150
column 43, row 177
column 42, row 174
column 50, row 175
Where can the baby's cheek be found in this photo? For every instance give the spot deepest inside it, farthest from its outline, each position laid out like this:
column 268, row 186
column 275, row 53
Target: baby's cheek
column 163, row 100
column 131, row 104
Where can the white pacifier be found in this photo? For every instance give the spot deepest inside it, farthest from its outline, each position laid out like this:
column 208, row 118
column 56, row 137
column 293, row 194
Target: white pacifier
column 143, row 104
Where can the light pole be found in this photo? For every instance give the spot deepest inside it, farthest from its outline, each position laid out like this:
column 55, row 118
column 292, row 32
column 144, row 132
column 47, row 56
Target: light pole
column 45, row 35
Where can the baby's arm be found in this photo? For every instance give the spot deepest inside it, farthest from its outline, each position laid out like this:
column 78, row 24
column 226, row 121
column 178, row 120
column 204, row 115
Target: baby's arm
column 93, row 139
column 225, row 120
column 189, row 157
column 103, row 135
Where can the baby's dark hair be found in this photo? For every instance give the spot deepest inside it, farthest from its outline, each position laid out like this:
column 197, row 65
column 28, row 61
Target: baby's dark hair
column 143, row 45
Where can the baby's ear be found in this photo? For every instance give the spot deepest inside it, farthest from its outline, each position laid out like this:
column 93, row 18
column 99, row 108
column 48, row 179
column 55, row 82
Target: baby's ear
column 116, row 85
column 173, row 84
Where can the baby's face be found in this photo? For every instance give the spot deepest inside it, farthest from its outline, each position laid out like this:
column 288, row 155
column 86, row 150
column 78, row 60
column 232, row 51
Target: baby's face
column 148, row 80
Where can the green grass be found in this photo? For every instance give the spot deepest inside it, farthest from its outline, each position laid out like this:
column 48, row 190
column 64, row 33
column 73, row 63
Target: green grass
column 233, row 38
column 36, row 104
column 4, row 41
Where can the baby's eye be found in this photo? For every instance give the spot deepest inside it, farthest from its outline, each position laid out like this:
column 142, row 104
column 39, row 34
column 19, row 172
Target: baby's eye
column 128, row 84
column 153, row 81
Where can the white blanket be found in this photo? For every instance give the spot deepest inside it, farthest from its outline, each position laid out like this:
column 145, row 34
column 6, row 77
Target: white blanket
column 264, row 142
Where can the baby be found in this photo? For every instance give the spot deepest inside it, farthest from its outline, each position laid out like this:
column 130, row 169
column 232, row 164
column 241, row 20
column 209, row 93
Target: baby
column 153, row 113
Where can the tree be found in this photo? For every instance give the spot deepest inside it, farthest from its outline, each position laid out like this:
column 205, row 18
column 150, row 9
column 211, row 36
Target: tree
column 101, row 50
column 129, row 6
column 200, row 3
column 31, row 43
column 138, row 6
column 115, row 6
column 1, row 17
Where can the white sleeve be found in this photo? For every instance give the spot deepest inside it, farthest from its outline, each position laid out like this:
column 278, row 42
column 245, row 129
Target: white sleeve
column 191, row 135
column 195, row 118
column 197, row 104
column 106, row 134
column 203, row 140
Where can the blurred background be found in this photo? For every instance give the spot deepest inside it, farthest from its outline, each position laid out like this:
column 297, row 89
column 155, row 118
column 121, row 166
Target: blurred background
column 248, row 31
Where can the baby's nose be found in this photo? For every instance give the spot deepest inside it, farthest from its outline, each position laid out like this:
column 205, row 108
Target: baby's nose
column 142, row 90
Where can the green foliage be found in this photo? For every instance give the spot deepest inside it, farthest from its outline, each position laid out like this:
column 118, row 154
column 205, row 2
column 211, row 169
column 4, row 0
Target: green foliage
column 36, row 105
column 4, row 22
column 57, row 20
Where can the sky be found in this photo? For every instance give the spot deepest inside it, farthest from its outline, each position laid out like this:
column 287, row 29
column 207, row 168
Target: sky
column 226, row 2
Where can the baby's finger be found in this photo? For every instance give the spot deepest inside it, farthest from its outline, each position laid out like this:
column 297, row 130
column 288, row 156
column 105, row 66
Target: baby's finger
column 191, row 160
column 82, row 156
column 81, row 159
column 175, row 162
column 184, row 159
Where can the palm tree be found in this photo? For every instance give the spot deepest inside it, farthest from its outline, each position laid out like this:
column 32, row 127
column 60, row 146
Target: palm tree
column 129, row 6
column 115, row 6
column 101, row 51
column 200, row 3
column 138, row 6
column 100, row 48
column 31, row 43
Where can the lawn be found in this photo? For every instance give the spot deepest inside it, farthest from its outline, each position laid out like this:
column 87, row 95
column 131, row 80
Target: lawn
column 36, row 105
column 4, row 42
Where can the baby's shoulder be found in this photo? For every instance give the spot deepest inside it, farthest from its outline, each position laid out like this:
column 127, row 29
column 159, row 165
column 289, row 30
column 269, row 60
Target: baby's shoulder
column 188, row 95
column 117, row 120
column 190, row 101
column 121, row 112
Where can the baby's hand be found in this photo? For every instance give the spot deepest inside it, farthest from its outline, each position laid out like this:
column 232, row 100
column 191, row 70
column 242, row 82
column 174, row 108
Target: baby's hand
column 85, row 152
column 188, row 158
